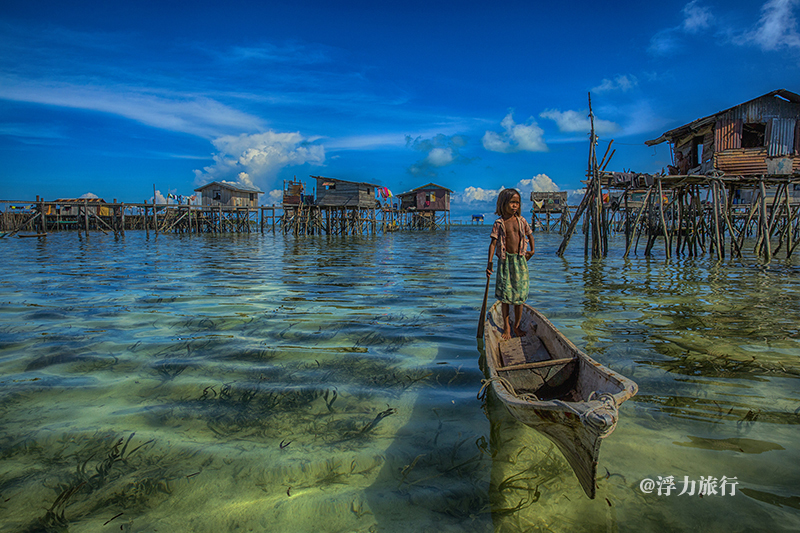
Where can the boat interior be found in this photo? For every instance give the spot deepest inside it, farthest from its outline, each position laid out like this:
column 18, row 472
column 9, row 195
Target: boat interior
column 529, row 366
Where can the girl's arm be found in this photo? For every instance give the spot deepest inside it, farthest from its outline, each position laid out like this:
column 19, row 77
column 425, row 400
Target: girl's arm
column 491, row 257
column 528, row 229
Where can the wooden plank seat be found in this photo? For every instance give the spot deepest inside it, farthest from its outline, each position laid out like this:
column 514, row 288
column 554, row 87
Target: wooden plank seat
column 538, row 364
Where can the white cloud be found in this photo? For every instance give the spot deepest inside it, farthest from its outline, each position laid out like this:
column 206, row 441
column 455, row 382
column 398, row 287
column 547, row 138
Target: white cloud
column 275, row 196
column 257, row 158
column 538, row 183
column 159, row 198
column 696, row 17
column 515, row 137
column 575, row 122
column 191, row 114
column 440, row 157
column 777, row 27
column 442, row 150
column 484, row 201
column 477, row 194
column 621, row 82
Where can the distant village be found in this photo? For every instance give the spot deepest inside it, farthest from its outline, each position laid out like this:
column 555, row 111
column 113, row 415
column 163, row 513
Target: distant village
column 735, row 174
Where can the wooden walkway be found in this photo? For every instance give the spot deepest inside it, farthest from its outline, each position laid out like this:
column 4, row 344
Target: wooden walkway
column 43, row 217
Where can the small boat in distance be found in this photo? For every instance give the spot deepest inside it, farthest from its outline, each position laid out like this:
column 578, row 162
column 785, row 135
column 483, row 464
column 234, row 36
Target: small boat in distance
column 547, row 383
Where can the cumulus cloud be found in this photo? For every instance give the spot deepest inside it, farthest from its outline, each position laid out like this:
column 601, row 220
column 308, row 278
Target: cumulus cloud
column 777, row 27
column 621, row 82
column 478, row 194
column 515, row 137
column 538, row 183
column 441, row 150
column 484, row 201
column 575, row 122
column 258, row 158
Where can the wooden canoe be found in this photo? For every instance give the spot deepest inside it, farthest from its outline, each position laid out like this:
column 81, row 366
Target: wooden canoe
column 547, row 383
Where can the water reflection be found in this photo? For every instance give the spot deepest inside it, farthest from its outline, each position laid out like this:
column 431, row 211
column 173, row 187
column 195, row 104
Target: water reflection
column 328, row 384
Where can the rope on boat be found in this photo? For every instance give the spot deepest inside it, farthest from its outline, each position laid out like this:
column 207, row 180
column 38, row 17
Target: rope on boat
column 607, row 402
column 527, row 396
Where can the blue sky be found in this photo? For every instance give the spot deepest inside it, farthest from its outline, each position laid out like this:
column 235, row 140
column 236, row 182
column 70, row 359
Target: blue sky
column 112, row 98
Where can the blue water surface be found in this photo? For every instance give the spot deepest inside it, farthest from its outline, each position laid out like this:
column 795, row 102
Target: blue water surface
column 264, row 382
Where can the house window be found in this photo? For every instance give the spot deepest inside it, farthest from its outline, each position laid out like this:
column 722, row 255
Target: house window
column 754, row 135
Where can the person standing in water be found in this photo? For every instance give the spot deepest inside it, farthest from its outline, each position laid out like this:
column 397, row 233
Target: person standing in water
column 511, row 235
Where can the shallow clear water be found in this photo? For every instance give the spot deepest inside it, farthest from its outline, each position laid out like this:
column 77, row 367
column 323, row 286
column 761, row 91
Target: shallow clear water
column 272, row 383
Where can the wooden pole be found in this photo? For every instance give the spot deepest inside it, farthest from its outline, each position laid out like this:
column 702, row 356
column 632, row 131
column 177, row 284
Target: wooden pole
column 734, row 245
column 667, row 243
column 86, row 216
column 636, row 224
column 717, row 236
column 765, row 244
column 155, row 215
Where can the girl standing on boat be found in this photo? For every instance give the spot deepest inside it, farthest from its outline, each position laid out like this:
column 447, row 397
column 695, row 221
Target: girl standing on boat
column 511, row 235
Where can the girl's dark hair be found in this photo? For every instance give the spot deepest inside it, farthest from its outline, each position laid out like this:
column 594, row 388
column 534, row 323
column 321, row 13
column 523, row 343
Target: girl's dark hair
column 504, row 197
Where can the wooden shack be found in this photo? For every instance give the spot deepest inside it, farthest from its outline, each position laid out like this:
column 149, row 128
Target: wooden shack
column 332, row 192
column 426, row 207
column 547, row 206
column 430, row 197
column 74, row 206
column 549, row 202
column 760, row 137
column 294, row 194
column 223, row 193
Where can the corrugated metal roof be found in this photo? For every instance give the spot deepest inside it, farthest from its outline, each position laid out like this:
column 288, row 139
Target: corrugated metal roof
column 779, row 103
column 425, row 187
column 345, row 181
column 230, row 185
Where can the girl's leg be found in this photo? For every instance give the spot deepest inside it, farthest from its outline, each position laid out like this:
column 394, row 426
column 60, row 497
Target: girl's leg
column 506, row 324
column 518, row 331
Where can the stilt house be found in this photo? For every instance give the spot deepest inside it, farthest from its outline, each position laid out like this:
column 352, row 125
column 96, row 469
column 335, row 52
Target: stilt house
column 430, row 197
column 332, row 192
column 74, row 206
column 226, row 193
column 428, row 205
column 760, row 137
column 549, row 202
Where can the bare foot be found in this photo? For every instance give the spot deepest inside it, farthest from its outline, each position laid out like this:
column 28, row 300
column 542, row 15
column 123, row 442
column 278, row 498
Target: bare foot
column 519, row 331
column 506, row 333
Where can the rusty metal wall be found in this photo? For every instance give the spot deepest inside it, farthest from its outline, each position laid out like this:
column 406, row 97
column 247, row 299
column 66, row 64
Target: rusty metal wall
column 781, row 136
column 728, row 134
column 742, row 161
